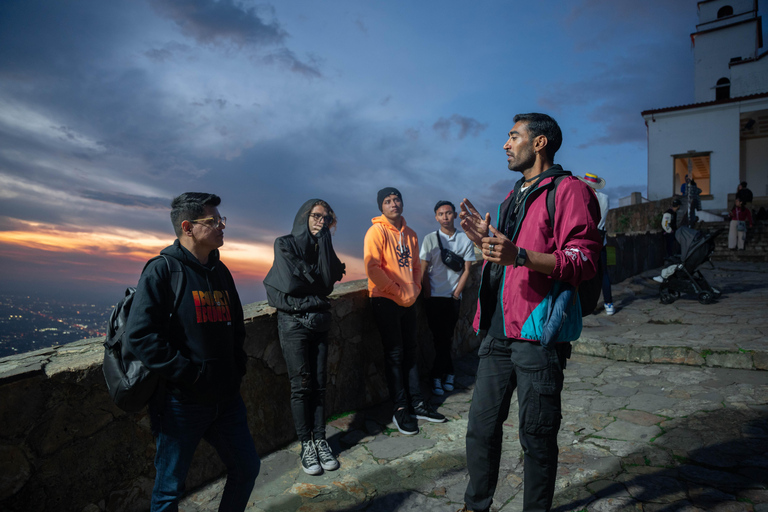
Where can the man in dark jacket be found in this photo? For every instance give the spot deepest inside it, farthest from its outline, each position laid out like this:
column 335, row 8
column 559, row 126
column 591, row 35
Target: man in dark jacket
column 298, row 284
column 198, row 351
column 532, row 262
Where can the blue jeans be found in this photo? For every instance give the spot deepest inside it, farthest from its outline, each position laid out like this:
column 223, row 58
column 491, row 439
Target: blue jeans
column 180, row 427
column 537, row 373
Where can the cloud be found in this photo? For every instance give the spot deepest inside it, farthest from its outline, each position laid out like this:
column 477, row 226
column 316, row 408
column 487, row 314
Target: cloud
column 287, row 58
column 465, row 125
column 167, row 52
column 220, row 22
column 133, row 201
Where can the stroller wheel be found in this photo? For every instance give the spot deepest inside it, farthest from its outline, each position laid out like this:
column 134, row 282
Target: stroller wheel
column 665, row 297
column 706, row 297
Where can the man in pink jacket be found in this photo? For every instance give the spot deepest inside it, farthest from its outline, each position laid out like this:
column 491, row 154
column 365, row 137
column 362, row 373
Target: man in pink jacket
column 530, row 260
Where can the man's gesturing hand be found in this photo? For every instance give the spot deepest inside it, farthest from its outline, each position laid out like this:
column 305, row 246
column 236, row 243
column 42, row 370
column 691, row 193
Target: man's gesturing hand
column 474, row 226
column 498, row 248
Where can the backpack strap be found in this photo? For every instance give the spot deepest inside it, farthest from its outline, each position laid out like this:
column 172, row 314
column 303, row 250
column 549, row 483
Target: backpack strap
column 551, row 199
column 177, row 278
column 439, row 242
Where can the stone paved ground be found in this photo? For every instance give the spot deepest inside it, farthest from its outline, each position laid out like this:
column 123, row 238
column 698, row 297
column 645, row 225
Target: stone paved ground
column 645, row 436
column 729, row 333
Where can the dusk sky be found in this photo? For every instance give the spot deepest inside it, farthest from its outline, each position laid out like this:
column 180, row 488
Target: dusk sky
column 109, row 109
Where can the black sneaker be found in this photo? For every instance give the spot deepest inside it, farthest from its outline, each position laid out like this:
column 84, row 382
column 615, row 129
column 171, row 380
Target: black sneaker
column 405, row 422
column 424, row 411
column 324, row 453
column 309, row 462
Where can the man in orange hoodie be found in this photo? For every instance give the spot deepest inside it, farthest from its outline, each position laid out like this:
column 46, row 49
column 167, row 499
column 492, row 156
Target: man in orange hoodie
column 394, row 281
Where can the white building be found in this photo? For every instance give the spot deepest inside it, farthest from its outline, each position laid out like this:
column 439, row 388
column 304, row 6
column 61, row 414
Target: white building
column 723, row 137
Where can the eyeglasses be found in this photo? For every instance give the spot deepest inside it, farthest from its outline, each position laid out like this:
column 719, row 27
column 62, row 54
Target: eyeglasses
column 317, row 216
column 214, row 222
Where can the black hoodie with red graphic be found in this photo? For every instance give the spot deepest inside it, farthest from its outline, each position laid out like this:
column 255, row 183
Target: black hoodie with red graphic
column 199, row 349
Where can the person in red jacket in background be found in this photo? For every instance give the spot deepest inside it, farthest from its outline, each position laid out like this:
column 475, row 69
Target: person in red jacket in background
column 737, row 231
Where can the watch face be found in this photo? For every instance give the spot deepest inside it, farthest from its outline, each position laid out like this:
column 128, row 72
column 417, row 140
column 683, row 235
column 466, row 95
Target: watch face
column 520, row 260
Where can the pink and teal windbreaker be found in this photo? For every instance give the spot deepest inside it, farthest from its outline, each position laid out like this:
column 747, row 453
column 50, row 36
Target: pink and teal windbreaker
column 575, row 242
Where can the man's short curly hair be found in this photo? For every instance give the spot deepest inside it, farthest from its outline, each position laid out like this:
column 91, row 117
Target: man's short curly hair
column 190, row 206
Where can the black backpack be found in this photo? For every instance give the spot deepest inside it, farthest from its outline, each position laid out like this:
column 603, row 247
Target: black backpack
column 129, row 382
column 588, row 291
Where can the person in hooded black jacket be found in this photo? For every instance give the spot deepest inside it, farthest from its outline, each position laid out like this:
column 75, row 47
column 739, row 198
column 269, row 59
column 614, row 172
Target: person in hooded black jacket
column 198, row 352
column 298, row 284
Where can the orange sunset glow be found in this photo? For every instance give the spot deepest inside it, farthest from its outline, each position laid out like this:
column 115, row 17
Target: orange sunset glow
column 116, row 259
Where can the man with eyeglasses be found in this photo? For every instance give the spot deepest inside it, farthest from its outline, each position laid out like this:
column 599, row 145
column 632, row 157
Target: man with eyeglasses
column 197, row 349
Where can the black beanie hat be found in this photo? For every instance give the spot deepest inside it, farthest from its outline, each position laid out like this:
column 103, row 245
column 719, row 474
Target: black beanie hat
column 385, row 193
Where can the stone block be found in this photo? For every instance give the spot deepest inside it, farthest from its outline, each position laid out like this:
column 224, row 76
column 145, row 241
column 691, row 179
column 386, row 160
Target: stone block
column 618, row 351
column 760, row 360
column 639, row 354
column 15, row 470
column 589, row 347
column 24, row 401
column 742, row 360
column 64, row 424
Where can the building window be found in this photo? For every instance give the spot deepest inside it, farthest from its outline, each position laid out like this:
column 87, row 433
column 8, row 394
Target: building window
column 724, row 11
column 695, row 165
column 723, row 89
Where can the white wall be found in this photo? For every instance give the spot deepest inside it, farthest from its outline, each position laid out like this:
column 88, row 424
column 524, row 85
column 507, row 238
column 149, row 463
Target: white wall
column 749, row 78
column 708, row 10
column 714, row 129
column 714, row 51
column 757, row 166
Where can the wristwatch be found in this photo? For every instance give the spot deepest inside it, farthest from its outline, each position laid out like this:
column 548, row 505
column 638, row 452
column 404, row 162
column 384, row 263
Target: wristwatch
column 521, row 258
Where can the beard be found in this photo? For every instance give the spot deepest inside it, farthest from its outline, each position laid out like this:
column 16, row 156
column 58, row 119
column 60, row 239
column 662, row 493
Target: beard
column 523, row 161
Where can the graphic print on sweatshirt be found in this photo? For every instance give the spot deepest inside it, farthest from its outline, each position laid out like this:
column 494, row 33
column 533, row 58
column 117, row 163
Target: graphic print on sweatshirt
column 211, row 306
column 404, row 256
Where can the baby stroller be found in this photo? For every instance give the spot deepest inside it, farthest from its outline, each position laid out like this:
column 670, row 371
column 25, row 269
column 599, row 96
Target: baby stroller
column 696, row 248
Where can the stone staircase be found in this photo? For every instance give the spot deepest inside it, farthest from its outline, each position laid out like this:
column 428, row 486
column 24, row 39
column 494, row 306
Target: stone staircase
column 755, row 249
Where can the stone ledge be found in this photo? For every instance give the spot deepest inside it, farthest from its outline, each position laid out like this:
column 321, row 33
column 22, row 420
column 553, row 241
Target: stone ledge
column 65, row 446
column 688, row 356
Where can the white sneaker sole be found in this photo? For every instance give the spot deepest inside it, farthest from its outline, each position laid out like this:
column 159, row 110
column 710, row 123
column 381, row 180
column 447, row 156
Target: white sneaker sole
column 433, row 420
column 330, row 467
column 312, row 471
column 402, row 431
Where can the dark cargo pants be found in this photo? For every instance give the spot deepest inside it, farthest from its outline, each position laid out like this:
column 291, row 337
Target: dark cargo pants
column 537, row 374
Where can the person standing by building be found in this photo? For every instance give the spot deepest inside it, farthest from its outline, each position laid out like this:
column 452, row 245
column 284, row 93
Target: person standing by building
column 737, row 230
column 394, row 282
column 743, row 193
column 529, row 260
column 198, row 352
column 298, row 284
column 694, row 203
column 669, row 225
column 442, row 285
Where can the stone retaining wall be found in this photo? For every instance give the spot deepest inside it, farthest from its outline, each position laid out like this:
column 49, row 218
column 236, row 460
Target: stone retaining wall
column 65, row 446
